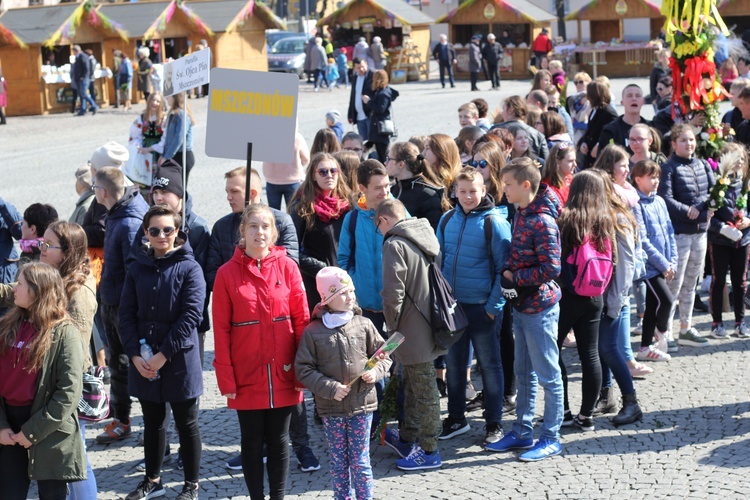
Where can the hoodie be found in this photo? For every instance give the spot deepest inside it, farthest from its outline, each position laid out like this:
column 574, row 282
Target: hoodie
column 535, row 251
column 408, row 249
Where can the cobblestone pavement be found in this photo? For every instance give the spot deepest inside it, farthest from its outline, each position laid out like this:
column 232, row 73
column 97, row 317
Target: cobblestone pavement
column 693, row 441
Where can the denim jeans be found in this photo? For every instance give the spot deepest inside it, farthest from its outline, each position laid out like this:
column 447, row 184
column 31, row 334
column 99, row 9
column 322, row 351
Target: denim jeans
column 538, row 361
column 275, row 192
column 486, row 341
column 83, row 93
column 610, row 351
column 363, row 128
column 86, row 489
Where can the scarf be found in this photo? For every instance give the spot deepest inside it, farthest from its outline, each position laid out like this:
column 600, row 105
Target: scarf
column 328, row 208
column 333, row 320
column 28, row 246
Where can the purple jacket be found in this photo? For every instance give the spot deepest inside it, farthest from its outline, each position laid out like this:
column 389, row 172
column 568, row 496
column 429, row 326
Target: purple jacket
column 535, row 251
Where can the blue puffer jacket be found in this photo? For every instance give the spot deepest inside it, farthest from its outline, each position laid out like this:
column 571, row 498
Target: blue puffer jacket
column 366, row 265
column 685, row 182
column 122, row 225
column 728, row 214
column 162, row 302
column 10, row 228
column 656, row 234
column 463, row 245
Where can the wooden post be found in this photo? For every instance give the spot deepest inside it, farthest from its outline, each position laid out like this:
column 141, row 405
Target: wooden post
column 247, row 177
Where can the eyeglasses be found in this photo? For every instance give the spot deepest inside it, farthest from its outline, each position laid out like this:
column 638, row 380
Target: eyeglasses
column 46, row 246
column 154, row 232
column 479, row 164
column 579, row 82
column 356, row 150
column 94, row 186
column 637, row 140
column 323, row 172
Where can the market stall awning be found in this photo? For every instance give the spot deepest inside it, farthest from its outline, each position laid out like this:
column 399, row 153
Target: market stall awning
column 7, row 37
column 149, row 20
column 55, row 23
column 394, row 9
column 229, row 15
column 527, row 10
column 589, row 11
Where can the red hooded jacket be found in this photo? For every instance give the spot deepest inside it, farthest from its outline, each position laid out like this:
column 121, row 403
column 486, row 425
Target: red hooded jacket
column 259, row 310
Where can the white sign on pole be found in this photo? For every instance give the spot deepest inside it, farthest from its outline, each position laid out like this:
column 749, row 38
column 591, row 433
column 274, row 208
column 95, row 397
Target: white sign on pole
column 252, row 107
column 187, row 72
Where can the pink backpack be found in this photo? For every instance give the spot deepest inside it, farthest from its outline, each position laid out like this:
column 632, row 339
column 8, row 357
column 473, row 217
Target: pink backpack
column 589, row 270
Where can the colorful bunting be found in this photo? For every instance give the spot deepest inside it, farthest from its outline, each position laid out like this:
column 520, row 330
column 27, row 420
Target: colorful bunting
column 9, row 38
column 578, row 13
column 96, row 19
column 159, row 26
column 500, row 3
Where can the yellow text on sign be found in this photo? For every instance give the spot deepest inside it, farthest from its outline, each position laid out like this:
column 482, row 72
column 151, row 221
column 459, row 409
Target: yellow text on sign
column 252, row 103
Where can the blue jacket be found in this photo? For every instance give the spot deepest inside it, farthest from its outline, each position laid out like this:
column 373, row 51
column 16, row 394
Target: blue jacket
column 686, row 182
column 125, row 72
column 332, row 74
column 465, row 264
column 727, row 214
column 226, row 233
column 366, row 265
column 656, row 235
column 122, row 225
column 338, row 129
column 10, row 228
column 162, row 302
column 173, row 141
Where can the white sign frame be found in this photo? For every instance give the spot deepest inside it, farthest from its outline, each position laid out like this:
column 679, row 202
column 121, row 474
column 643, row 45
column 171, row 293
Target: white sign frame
column 188, row 72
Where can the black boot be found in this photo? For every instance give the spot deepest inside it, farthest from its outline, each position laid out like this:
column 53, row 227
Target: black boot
column 630, row 412
column 607, row 401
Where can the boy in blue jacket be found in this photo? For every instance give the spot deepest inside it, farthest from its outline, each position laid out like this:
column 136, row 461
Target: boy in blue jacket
column 468, row 246
column 529, row 282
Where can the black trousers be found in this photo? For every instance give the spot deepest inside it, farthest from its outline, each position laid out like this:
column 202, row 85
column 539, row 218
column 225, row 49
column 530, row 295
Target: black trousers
column 449, row 68
column 658, row 308
column 188, row 163
column 119, row 398
column 271, row 427
column 734, row 259
column 583, row 315
column 494, row 75
column 14, row 465
column 474, row 78
column 155, row 436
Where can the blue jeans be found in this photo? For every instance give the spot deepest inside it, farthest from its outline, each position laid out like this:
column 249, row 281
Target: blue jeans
column 275, row 192
column 83, row 93
column 86, row 489
column 610, row 351
column 363, row 127
column 538, row 361
column 486, row 342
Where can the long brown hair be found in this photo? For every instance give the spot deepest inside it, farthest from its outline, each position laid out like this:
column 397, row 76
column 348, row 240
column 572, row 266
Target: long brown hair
column 415, row 163
column 75, row 266
column 47, row 311
column 586, row 214
column 178, row 104
column 617, row 205
column 551, row 170
column 160, row 111
column 303, row 201
column 495, row 156
column 536, row 84
column 349, row 161
column 448, row 158
column 325, row 142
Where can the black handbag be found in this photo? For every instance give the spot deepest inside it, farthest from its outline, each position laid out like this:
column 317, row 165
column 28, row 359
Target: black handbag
column 387, row 127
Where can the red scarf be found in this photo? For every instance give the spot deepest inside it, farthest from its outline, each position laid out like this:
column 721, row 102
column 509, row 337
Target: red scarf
column 328, row 208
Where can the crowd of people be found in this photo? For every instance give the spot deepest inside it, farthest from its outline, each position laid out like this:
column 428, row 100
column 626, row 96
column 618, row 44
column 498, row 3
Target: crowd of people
column 542, row 219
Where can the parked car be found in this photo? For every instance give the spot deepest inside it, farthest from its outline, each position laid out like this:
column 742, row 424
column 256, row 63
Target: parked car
column 288, row 56
column 273, row 36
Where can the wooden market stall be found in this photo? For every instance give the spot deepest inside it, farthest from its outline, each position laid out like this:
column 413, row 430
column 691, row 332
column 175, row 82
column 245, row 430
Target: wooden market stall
column 735, row 13
column 520, row 18
column 389, row 19
column 39, row 76
column 609, row 43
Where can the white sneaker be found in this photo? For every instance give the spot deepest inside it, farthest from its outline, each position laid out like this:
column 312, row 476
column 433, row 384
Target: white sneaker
column 661, row 342
column 651, row 353
column 706, row 284
column 638, row 328
column 742, row 331
column 719, row 332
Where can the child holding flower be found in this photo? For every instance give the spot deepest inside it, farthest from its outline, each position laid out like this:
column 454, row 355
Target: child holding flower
column 729, row 237
column 332, row 355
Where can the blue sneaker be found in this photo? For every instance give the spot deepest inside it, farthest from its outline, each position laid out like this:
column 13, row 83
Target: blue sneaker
column 393, row 439
column 419, row 460
column 510, row 441
column 542, row 449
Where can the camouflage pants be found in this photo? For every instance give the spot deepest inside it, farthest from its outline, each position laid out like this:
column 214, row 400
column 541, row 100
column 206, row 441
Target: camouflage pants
column 421, row 406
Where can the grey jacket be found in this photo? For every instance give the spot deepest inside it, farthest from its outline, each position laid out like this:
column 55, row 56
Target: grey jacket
column 618, row 291
column 475, row 57
column 328, row 357
column 537, row 141
column 406, row 249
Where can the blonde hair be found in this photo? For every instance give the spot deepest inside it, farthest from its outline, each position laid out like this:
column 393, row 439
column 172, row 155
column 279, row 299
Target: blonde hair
column 379, row 80
column 264, row 211
column 555, row 65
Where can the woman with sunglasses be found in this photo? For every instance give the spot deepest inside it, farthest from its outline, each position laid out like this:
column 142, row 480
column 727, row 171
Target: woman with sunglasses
column 161, row 307
column 317, row 209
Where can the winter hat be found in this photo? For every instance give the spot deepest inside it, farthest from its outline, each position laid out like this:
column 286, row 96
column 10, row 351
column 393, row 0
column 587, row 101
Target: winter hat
column 169, row 178
column 332, row 281
column 112, row 154
column 333, row 115
column 83, row 175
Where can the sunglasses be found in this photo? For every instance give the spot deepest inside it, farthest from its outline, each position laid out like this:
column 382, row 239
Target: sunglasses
column 323, row 172
column 154, row 232
column 478, row 164
column 46, row 246
column 579, row 82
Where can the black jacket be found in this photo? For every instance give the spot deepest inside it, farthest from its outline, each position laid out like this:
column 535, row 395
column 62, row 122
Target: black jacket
column 686, row 182
column 366, row 90
column 492, row 52
column 93, row 224
column 537, row 141
column 599, row 118
column 617, row 132
column 421, row 199
column 437, row 53
column 380, row 109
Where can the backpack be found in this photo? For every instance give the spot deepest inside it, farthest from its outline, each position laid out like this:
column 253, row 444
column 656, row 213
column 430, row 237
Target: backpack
column 587, row 271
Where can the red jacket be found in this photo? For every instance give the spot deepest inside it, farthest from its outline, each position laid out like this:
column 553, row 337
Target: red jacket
column 259, row 315
column 542, row 43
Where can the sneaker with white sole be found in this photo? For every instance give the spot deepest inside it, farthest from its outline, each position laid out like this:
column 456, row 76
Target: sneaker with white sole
column 672, row 346
column 719, row 332
column 651, row 353
column 542, row 449
column 660, row 342
column 638, row 330
column 453, row 428
column 308, row 462
column 146, row 489
column 742, row 331
column 692, row 338
column 420, row 460
column 492, row 433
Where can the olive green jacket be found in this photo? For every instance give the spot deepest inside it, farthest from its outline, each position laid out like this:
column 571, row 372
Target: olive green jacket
column 57, row 448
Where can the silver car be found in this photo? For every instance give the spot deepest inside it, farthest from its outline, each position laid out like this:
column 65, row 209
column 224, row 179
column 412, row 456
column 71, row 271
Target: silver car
column 288, row 56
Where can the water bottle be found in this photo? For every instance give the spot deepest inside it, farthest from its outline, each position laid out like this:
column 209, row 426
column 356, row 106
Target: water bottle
column 146, row 354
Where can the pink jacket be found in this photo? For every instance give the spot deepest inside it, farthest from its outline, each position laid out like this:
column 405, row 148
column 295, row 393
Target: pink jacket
column 289, row 173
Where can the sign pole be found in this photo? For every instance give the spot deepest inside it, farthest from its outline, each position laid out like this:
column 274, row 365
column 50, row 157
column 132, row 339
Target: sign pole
column 248, row 176
column 185, row 118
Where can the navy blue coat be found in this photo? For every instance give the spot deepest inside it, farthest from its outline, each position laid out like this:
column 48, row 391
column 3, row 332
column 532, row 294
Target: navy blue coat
column 162, row 302
column 10, row 228
column 686, row 182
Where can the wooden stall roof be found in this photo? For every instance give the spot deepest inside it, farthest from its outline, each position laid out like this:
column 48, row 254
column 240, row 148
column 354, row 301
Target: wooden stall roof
column 395, row 9
column 525, row 9
column 135, row 18
column 604, row 10
column 221, row 15
column 34, row 25
column 7, row 37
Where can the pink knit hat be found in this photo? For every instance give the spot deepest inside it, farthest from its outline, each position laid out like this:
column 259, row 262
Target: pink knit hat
column 332, row 281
